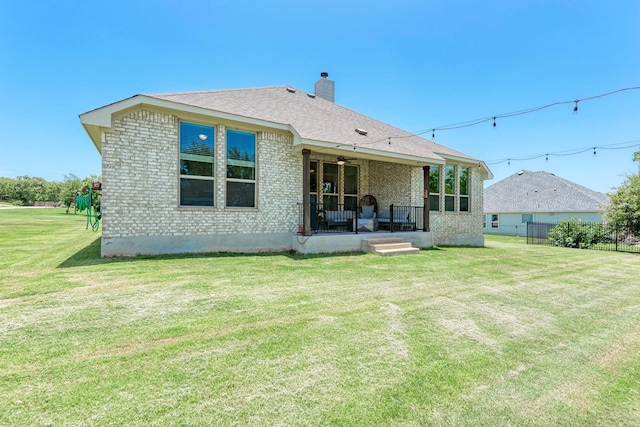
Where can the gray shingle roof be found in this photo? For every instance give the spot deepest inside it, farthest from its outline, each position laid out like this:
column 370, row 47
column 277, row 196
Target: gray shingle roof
column 313, row 118
column 528, row 191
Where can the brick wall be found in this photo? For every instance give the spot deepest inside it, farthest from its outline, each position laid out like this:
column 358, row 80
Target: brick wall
column 460, row 228
column 140, row 162
column 391, row 183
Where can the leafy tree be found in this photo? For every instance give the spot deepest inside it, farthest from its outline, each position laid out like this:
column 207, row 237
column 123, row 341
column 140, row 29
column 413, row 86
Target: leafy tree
column 30, row 189
column 7, row 189
column 623, row 211
column 70, row 185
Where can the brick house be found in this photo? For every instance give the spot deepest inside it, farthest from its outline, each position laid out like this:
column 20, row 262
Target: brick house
column 268, row 169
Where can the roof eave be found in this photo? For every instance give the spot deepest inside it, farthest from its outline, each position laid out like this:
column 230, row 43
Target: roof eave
column 97, row 121
column 328, row 147
column 488, row 175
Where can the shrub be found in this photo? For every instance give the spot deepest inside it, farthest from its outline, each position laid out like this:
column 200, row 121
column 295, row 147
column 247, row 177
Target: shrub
column 573, row 233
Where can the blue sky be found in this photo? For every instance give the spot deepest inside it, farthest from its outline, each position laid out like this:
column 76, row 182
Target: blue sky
column 414, row 64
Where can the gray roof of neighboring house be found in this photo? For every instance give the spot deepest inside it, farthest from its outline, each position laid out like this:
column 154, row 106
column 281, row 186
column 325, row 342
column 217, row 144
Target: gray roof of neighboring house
column 528, row 192
column 313, row 118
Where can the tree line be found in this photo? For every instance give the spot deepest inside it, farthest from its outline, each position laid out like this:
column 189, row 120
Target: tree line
column 623, row 209
column 27, row 190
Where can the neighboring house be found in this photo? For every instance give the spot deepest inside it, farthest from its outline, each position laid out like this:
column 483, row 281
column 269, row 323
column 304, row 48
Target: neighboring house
column 265, row 169
column 538, row 197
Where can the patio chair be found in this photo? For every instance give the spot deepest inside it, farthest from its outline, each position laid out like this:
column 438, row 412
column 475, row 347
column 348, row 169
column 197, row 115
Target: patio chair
column 367, row 218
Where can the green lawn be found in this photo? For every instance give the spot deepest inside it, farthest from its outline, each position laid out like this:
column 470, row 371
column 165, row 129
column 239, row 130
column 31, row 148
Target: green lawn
column 504, row 335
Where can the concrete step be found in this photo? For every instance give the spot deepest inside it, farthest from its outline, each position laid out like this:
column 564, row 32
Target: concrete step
column 368, row 244
column 386, row 246
column 400, row 251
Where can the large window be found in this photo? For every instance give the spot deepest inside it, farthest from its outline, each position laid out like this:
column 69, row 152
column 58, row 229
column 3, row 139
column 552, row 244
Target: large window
column 434, row 188
column 464, row 189
column 449, row 188
column 330, row 186
column 241, row 169
column 196, row 164
column 350, row 187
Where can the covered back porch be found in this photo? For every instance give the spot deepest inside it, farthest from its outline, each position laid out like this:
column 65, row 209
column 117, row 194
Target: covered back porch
column 364, row 218
column 362, row 195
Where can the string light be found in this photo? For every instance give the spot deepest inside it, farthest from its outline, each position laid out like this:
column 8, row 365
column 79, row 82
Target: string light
column 475, row 122
column 614, row 146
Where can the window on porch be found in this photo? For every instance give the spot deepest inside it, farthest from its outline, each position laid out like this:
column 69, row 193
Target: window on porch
column 350, row 187
column 449, row 188
column 464, row 189
column 330, row 186
column 434, row 188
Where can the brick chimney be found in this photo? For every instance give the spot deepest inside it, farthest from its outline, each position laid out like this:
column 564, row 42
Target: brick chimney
column 325, row 88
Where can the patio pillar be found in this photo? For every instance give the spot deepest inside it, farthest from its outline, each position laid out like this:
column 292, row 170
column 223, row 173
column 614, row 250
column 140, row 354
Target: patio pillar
column 425, row 207
column 306, row 192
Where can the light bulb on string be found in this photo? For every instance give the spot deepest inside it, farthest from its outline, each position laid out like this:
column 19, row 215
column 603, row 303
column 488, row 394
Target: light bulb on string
column 494, row 121
column 547, row 158
column 509, row 162
column 575, row 108
column 433, row 133
column 594, row 151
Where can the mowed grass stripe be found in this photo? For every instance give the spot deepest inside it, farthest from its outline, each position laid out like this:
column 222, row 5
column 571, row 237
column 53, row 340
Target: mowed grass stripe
column 508, row 334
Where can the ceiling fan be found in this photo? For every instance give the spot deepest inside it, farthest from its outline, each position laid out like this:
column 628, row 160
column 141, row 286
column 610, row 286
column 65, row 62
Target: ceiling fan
column 341, row 160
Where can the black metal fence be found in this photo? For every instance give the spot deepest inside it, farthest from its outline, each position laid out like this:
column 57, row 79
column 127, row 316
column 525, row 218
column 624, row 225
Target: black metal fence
column 345, row 219
column 583, row 235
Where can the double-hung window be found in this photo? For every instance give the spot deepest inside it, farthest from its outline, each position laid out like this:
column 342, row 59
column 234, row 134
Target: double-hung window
column 464, row 189
column 313, row 181
column 196, row 164
column 434, row 188
column 241, row 169
column 330, row 186
column 449, row 188
column 350, row 187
